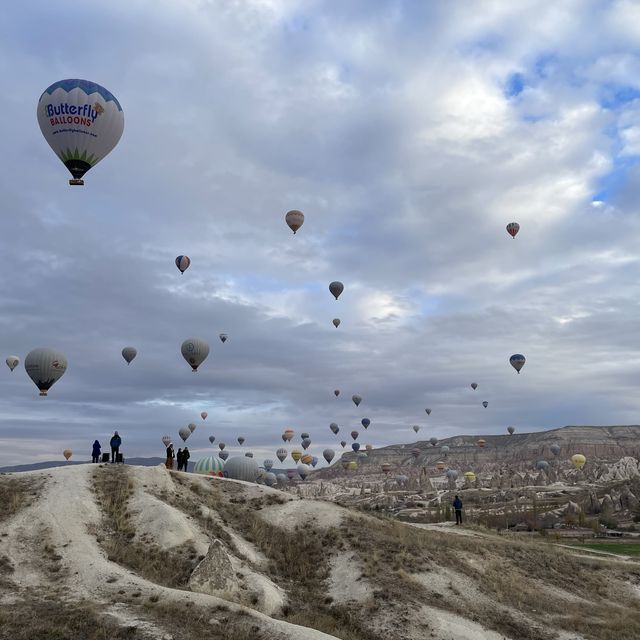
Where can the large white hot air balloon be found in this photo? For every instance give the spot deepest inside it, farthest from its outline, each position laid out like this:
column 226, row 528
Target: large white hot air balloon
column 82, row 122
column 45, row 367
column 195, row 351
column 13, row 362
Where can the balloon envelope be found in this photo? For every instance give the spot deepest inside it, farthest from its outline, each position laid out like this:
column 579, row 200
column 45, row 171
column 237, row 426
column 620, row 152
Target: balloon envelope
column 355, row 446
column 474, row 385
column 356, row 399
column 221, row 445
column 223, row 337
column 485, row 404
column 336, row 392
column 223, row 455
column 365, row 422
column 212, row 439
column 334, row 427
column 343, row 443
column 45, row 366
column 129, row 353
column 183, row 262
column 328, row 455
column 281, row 454
column 555, row 449
column 354, row 435
column 511, row 430
column 166, row 441
column 513, row 228
column 204, row 415
column 195, row 351
column 210, row 466
column 67, row 453
column 13, row 362
column 240, row 440
column 336, row 289
column 81, row 121
column 294, row 219
column 241, row 468
column 428, row 411
column 296, row 454
column 578, row 460
column 433, row 441
column 416, row 428
column 482, row 443
column 303, row 470
column 517, row 361
column 267, row 464
column 336, row 322
column 184, row 433
column 191, row 426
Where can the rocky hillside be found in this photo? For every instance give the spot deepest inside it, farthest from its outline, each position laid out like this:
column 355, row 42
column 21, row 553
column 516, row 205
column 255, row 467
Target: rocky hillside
column 130, row 552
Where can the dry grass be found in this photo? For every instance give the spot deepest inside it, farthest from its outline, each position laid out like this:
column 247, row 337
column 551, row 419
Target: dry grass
column 171, row 568
column 17, row 494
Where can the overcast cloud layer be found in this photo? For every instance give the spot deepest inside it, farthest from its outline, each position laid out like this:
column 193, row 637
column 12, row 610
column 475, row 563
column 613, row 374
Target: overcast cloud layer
column 410, row 134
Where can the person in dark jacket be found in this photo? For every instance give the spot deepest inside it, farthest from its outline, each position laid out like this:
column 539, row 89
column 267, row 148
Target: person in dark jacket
column 185, row 459
column 115, row 443
column 457, row 505
column 95, row 453
column 179, row 459
column 170, row 456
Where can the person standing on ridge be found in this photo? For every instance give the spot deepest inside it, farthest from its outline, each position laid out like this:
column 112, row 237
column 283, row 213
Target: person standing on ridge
column 115, row 443
column 95, row 453
column 185, row 459
column 179, row 459
column 170, row 456
column 457, row 505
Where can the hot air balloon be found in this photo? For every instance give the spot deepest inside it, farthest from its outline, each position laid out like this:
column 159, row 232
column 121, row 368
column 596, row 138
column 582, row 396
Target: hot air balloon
column 221, row 445
column 542, row 465
column 82, row 122
column 578, row 460
column 365, row 422
column 343, row 443
column 13, row 362
column 517, row 361
column 191, row 426
column 336, row 392
column 204, row 415
column 212, row 439
column 129, row 353
column 368, row 447
column 474, row 385
column 352, row 465
column 166, row 441
column 303, row 470
column 328, row 455
column 356, row 399
column 336, row 289
column 401, row 478
column 469, row 476
column 281, row 454
column 433, row 440
column 184, row 433
column 314, row 461
column 291, row 474
column 270, row 479
column 288, row 435
column 249, row 454
column 445, row 449
column 555, row 449
column 513, row 228
column 183, row 262
column 223, row 455
column 334, row 427
column 415, row 452
column 354, row 435
column 416, row 428
column 240, row 440
column 481, row 443
column 67, row 453
column 304, row 435
column 336, row 322
column 355, row 446
column 428, row 411
column 210, row 466
column 485, row 404
column 452, row 474
column 511, row 430
column 306, row 458
column 195, row 351
column 241, row 468
column 294, row 219
column 386, row 467
column 223, row 337
column 45, row 366
column 306, row 442
column 296, row 454
column 440, row 466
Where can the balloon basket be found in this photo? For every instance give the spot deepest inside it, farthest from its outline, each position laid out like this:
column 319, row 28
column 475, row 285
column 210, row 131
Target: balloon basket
column 43, row 392
column 76, row 182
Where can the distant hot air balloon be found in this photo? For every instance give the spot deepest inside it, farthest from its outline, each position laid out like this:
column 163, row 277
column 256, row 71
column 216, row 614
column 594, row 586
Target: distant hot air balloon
column 221, row 445
column 511, row 430
column 365, row 422
column 416, row 452
column 281, row 454
column 356, row 399
column 223, row 455
column 469, row 476
column 352, row 465
column 328, row 455
column 248, row 454
column 240, row 440
column 368, row 447
column 386, row 467
column 354, row 435
column 542, row 465
column 517, row 361
column 166, row 441
column 82, row 122
column 191, row 426
column 343, row 443
column 355, row 446
column 184, row 433
column 306, row 443
column 296, row 454
column 485, row 404
column 474, row 385
column 416, row 428
column 45, row 366
column 440, row 466
column 303, row 470
column 294, row 219
column 428, row 411
column 304, row 435
column 223, row 337
column 452, row 474
column 555, row 449
column 195, row 351
column 481, row 443
column 288, row 434
column 67, row 453
column 203, row 415
column 13, row 362
column 336, row 392
column 129, row 353
column 306, row 458
column 336, row 289
column 212, row 439
column 445, row 449
column 336, row 322
column 314, row 461
column 433, row 440
column 578, row 460
column 513, row 228
column 334, row 427
column 183, row 262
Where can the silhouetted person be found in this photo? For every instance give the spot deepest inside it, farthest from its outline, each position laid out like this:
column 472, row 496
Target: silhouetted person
column 170, row 456
column 185, row 458
column 457, row 505
column 115, row 443
column 95, row 453
column 179, row 459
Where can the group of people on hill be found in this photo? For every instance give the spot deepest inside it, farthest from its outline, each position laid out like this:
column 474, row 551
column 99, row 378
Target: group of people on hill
column 114, row 443
column 182, row 457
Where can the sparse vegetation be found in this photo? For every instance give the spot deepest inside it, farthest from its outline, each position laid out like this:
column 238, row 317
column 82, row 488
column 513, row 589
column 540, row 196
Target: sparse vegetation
column 16, row 494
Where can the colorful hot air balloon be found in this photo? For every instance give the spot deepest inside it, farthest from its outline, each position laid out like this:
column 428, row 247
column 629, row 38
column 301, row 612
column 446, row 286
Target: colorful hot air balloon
column 166, row 440
column 13, row 362
column 296, row 454
column 433, row 440
column 517, row 361
column 513, row 228
column 386, row 467
column 416, row 428
column 281, row 454
column 334, row 427
column 306, row 458
column 352, row 465
column 294, row 219
column 203, row 415
column 210, row 466
column 191, row 426
column 183, row 262
column 336, row 289
column 67, row 453
column 328, row 455
column 336, row 392
column 578, row 460
column 240, row 440
column 511, row 430
column 356, row 399
column 336, row 322
column 428, row 411
column 223, row 337
column 365, row 422
column 129, row 353
column 485, row 404
column 82, row 122
column 288, row 434
column 481, row 443
column 267, row 464
column 45, row 366
column 469, row 476
column 184, row 433
column 212, row 439
column 474, row 385
column 195, row 351
column 354, row 435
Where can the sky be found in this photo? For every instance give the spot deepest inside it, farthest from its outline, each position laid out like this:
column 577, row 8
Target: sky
column 409, row 134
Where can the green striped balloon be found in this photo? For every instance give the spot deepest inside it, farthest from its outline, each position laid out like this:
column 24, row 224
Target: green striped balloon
column 210, row 467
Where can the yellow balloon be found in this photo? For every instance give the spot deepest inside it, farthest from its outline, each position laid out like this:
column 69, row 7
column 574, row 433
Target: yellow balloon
column 578, row 460
column 352, row 465
column 470, row 476
column 296, row 454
